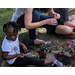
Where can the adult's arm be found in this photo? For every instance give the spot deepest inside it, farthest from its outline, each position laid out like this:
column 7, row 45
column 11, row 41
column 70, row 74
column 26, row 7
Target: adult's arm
column 53, row 14
column 28, row 20
column 70, row 24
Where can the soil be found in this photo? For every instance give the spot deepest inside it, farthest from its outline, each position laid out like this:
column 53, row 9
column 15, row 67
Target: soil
column 66, row 60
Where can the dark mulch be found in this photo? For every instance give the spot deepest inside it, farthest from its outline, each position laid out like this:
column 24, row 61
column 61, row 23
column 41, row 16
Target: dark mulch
column 67, row 61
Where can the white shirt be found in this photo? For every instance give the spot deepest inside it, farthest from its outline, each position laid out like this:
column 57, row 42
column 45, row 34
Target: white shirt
column 12, row 47
column 17, row 14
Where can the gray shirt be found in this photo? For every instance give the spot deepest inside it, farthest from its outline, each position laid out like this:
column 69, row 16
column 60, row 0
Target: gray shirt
column 63, row 13
column 17, row 14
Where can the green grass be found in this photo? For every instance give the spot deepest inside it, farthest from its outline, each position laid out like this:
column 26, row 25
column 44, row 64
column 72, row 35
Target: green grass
column 5, row 16
column 57, row 41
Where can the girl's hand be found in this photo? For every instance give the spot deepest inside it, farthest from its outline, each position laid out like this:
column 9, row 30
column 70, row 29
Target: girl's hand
column 25, row 48
column 20, row 55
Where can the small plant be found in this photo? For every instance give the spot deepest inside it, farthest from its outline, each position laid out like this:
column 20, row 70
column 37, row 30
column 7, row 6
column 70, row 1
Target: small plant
column 71, row 48
column 44, row 47
column 43, row 51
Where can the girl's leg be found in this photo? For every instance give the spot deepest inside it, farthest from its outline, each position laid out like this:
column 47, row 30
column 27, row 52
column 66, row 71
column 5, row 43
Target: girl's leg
column 48, row 62
column 31, row 61
column 28, row 61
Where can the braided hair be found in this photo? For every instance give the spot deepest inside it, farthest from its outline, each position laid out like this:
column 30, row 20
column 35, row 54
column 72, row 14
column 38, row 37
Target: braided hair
column 16, row 26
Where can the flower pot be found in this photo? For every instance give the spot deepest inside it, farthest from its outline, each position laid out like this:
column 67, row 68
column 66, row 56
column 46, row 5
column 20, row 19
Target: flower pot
column 43, row 54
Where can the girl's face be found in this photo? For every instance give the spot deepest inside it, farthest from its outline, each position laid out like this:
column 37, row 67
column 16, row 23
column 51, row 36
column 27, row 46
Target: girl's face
column 10, row 35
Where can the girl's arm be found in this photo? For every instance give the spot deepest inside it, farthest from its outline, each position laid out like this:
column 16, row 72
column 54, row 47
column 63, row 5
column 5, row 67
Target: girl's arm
column 30, row 25
column 23, row 46
column 5, row 56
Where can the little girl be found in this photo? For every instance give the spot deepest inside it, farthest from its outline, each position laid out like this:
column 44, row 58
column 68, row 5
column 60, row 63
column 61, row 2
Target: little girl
column 11, row 49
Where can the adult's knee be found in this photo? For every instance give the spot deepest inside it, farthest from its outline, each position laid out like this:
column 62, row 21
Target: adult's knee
column 68, row 30
column 61, row 29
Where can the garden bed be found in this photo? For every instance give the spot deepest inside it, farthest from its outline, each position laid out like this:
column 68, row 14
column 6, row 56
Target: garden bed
column 65, row 58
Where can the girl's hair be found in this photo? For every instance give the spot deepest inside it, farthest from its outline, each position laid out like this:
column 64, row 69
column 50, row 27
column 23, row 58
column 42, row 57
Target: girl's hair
column 16, row 26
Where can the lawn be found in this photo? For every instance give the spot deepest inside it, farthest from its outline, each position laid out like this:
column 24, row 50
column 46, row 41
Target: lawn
column 5, row 16
column 58, row 42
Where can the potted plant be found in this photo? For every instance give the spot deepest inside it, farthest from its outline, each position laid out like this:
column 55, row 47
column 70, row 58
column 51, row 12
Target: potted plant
column 43, row 51
column 71, row 49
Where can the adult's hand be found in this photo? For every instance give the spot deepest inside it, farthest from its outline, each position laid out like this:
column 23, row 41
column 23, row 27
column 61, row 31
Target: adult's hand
column 54, row 15
column 57, row 16
column 51, row 21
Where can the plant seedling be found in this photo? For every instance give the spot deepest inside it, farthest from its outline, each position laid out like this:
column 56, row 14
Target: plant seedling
column 44, row 47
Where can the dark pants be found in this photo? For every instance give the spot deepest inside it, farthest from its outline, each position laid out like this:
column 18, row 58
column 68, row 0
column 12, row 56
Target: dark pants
column 36, row 17
column 27, row 60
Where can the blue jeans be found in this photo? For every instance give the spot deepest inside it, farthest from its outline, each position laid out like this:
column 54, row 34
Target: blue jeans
column 36, row 17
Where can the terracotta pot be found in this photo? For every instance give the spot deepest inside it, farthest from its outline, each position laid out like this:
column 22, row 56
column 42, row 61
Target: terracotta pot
column 43, row 54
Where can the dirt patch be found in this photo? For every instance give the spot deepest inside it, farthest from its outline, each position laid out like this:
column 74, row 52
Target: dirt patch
column 67, row 61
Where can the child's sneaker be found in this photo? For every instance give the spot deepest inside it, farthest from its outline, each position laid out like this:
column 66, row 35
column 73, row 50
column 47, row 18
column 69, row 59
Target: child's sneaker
column 47, row 43
column 57, row 63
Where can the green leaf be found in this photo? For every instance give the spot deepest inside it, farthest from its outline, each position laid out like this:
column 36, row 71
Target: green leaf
column 73, row 40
